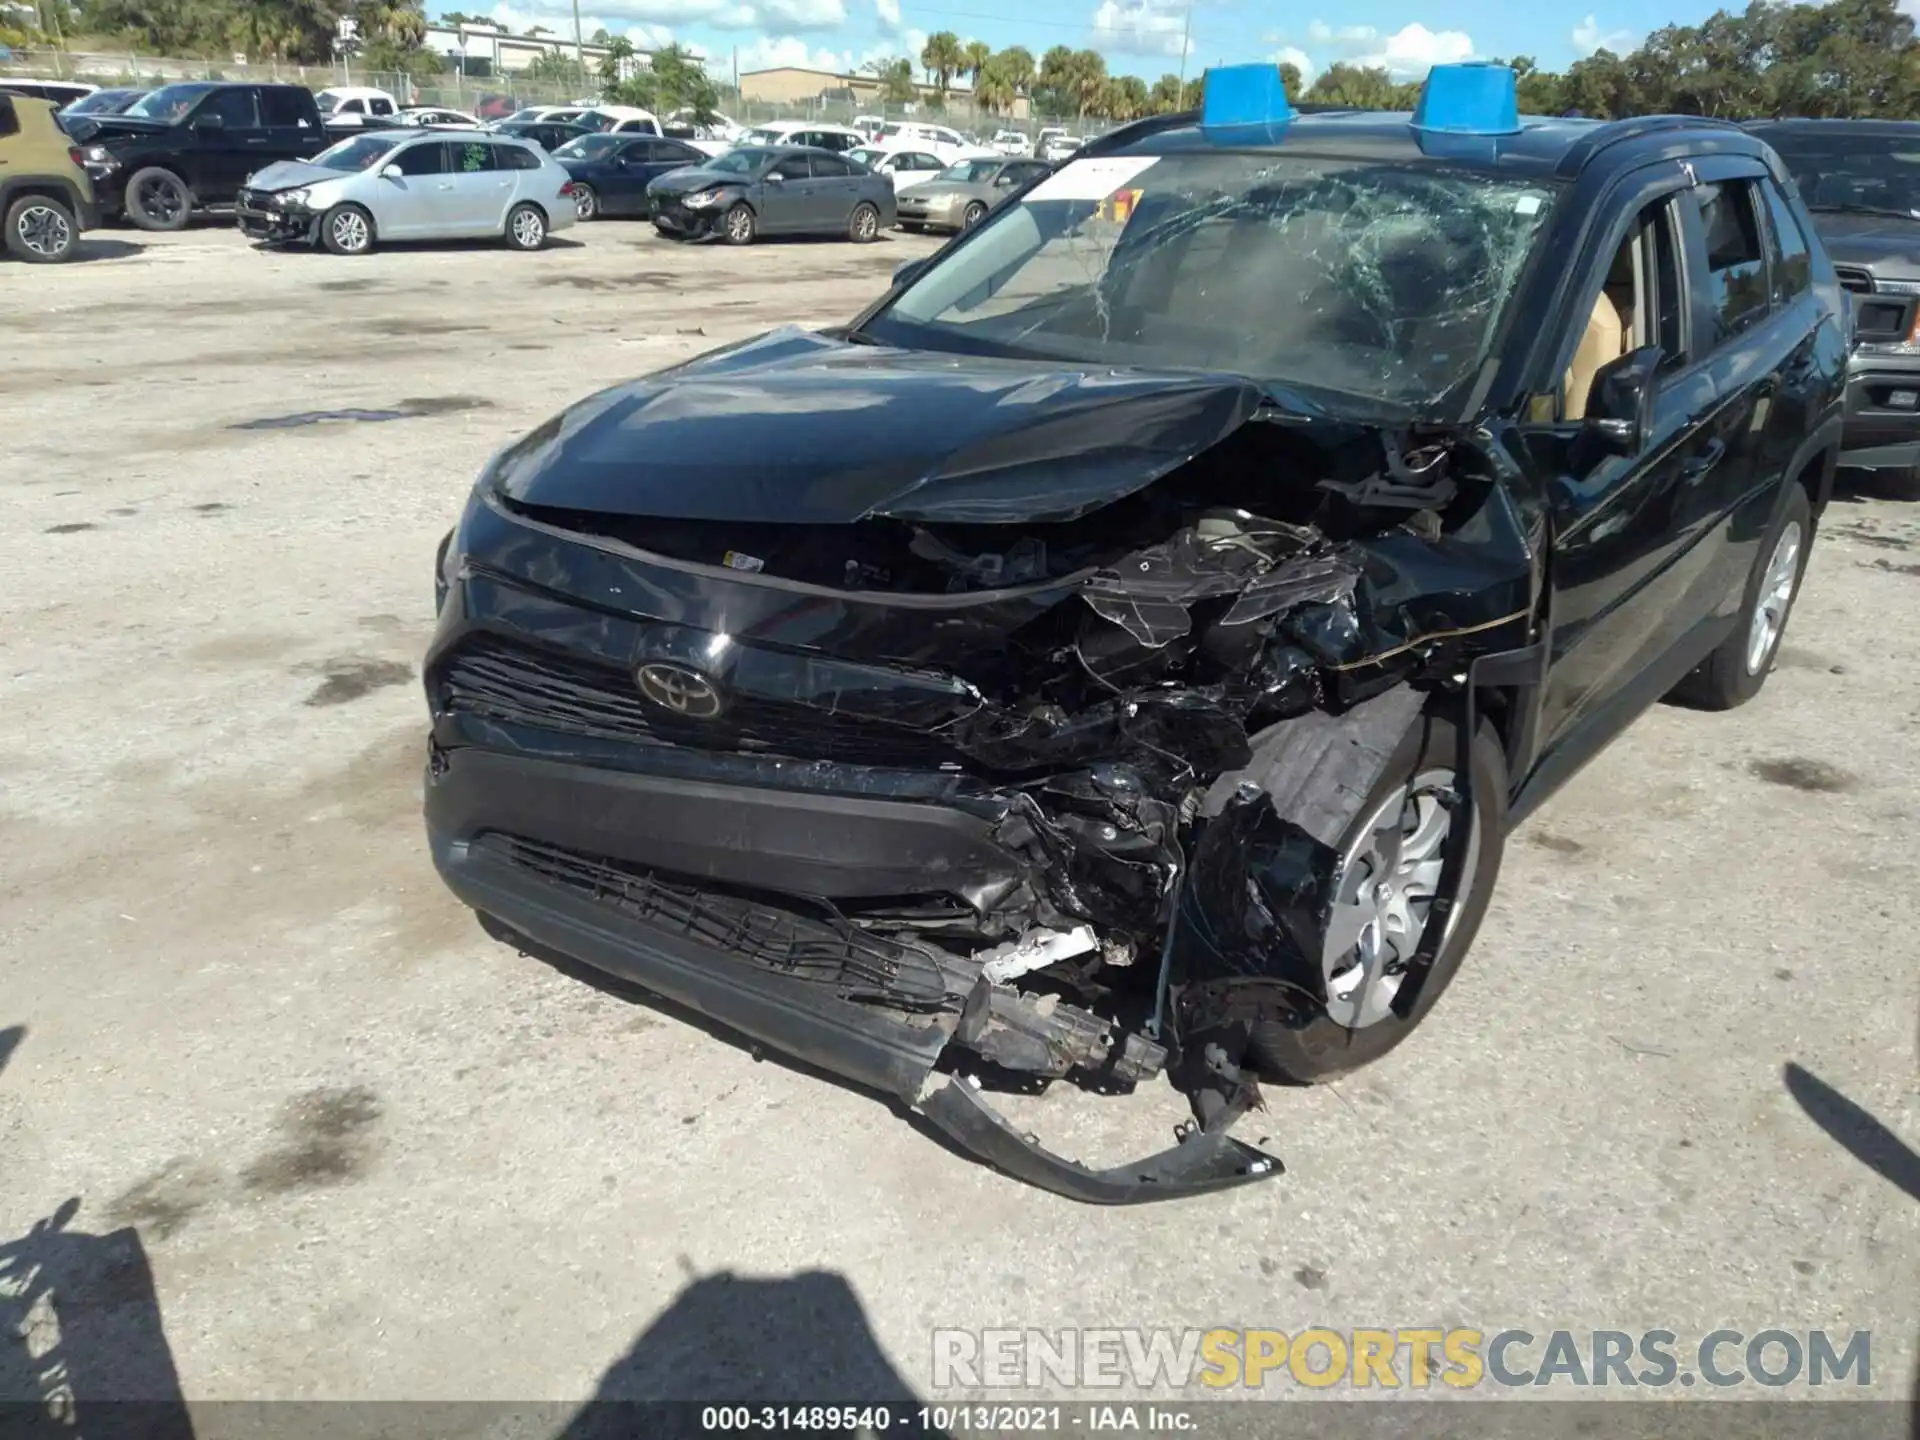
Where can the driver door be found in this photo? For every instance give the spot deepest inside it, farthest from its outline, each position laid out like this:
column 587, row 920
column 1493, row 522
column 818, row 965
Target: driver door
column 1622, row 537
column 228, row 144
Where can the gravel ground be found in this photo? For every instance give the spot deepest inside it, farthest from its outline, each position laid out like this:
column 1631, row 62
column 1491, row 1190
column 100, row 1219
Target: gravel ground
column 289, row 1125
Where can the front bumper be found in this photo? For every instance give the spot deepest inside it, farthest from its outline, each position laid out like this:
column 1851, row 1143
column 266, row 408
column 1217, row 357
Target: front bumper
column 258, row 220
column 671, row 217
column 1881, row 433
column 934, row 216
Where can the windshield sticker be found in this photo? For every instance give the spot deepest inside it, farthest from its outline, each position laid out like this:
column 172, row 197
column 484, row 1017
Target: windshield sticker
column 1527, row 205
column 1090, row 179
column 1118, row 206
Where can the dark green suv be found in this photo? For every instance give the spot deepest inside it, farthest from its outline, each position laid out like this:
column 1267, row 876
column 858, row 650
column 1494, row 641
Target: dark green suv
column 45, row 195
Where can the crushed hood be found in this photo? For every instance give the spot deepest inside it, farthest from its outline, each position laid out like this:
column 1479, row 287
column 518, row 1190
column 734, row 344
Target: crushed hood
column 99, row 129
column 291, row 174
column 799, row 428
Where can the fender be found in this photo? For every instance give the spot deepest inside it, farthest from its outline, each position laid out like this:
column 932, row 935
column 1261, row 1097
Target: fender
column 63, row 189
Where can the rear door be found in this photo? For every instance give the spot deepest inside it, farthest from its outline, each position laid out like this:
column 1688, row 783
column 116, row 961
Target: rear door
column 482, row 187
column 289, row 123
column 836, row 190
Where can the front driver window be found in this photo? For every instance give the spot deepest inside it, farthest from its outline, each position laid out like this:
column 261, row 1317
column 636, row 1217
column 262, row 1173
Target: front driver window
column 1638, row 305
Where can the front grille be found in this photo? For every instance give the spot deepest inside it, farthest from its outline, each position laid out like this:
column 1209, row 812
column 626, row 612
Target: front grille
column 822, row 948
column 516, row 684
column 1858, row 281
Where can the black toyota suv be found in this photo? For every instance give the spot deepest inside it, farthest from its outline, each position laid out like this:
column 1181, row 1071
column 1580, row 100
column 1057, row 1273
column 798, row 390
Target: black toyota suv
column 190, row 146
column 1127, row 646
column 1861, row 181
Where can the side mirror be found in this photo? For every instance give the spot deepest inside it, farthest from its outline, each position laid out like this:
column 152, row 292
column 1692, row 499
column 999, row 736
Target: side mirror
column 1620, row 407
column 774, row 177
column 209, row 122
column 391, row 172
column 908, row 273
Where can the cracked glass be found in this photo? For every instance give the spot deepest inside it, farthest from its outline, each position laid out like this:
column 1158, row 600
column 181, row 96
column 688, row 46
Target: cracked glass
column 1380, row 281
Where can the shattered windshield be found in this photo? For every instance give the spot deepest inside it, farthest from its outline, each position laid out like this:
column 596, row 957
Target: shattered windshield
column 1378, row 281
column 1854, row 172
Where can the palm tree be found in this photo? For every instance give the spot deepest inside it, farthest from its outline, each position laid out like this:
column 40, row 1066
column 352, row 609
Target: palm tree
column 973, row 59
column 1086, row 79
column 1015, row 65
column 943, row 58
column 991, row 87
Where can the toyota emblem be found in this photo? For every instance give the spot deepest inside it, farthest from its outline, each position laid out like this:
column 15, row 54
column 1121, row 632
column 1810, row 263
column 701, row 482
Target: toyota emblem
column 684, row 692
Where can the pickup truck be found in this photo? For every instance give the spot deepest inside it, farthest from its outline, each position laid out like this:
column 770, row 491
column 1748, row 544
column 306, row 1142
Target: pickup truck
column 191, row 146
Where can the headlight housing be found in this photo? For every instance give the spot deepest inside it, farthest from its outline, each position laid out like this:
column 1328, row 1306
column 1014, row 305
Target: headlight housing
column 294, row 198
column 702, row 199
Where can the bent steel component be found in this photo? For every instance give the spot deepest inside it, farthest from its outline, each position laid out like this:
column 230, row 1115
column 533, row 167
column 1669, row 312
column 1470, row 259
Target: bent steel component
column 1207, row 1161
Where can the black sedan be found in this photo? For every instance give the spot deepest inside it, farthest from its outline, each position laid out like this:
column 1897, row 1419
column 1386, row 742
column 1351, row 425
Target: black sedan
column 547, row 134
column 773, row 190
column 611, row 172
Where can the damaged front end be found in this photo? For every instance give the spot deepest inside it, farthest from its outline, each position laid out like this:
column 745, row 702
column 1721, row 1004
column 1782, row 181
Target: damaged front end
column 900, row 756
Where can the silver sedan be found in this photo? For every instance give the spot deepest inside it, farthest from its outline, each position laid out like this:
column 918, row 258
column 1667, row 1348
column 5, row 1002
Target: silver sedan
column 403, row 184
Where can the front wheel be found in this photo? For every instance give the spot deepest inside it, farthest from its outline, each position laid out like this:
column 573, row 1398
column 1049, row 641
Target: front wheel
column 1384, row 886
column 526, row 227
column 864, row 224
column 737, row 224
column 975, row 213
column 1734, row 673
column 347, row 230
column 586, row 204
column 158, row 199
column 40, row 230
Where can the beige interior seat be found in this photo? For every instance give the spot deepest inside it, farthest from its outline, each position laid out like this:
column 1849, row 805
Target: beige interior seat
column 1604, row 341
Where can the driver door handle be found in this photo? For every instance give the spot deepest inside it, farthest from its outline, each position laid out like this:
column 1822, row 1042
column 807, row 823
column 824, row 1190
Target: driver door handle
column 1700, row 464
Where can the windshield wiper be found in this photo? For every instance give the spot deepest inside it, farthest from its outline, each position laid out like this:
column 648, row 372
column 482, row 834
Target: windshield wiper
column 1849, row 208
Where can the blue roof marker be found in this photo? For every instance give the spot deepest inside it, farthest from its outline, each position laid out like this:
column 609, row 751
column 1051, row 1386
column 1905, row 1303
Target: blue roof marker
column 1237, row 96
column 1469, row 99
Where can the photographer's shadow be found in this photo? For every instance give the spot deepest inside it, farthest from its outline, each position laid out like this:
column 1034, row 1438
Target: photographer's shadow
column 799, row 1340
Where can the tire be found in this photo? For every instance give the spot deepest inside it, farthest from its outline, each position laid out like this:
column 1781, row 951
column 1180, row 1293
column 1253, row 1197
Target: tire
column 863, row 226
column 526, row 227
column 347, row 230
column 41, row 230
column 586, row 204
column 737, row 226
column 1324, row 1047
column 158, row 199
column 972, row 215
column 1735, row 672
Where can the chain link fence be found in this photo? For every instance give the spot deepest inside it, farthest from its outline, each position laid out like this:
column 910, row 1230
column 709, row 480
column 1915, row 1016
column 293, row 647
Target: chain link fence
column 491, row 96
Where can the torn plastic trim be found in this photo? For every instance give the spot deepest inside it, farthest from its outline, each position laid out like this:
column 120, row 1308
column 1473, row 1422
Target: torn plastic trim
column 1208, row 1160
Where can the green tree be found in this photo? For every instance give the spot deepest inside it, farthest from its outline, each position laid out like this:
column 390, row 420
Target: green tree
column 1053, row 88
column 896, row 80
column 1015, row 63
column 1291, row 81
column 1364, row 87
column 974, row 56
column 1164, row 98
column 943, row 58
column 993, row 89
column 619, row 51
column 1087, row 80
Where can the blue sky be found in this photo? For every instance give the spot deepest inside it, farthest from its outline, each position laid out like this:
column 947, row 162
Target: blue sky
column 1140, row 37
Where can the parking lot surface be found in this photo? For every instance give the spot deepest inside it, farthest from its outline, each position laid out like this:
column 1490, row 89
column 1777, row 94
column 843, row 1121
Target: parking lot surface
column 364, row 1151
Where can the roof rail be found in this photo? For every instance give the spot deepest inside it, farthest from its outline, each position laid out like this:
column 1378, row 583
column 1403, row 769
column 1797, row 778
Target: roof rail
column 1137, row 130
column 1617, row 132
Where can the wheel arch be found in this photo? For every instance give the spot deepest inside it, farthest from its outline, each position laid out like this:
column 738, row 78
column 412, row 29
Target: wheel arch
column 47, row 187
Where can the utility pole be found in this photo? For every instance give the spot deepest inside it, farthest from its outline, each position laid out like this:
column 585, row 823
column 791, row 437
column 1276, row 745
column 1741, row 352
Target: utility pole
column 579, row 48
column 1186, row 32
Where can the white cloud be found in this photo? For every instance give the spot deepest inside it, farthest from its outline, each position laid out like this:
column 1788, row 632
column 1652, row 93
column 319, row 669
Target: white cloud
column 770, row 52
column 1588, row 37
column 1407, row 54
column 1140, row 27
column 1293, row 55
column 773, row 18
column 889, row 13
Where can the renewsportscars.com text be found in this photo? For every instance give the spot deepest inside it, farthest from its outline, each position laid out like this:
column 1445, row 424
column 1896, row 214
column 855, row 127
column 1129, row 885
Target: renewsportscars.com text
column 1414, row 1358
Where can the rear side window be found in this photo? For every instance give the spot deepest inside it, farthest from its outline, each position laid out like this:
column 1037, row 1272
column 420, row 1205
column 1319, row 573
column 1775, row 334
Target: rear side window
column 830, row 167
column 354, row 107
column 382, row 107
column 678, row 154
column 470, row 156
column 1792, row 264
column 516, row 157
column 423, row 160
column 234, row 107
column 280, row 109
column 1736, row 265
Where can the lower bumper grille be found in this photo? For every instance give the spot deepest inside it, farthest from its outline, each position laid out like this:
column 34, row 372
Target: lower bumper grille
column 858, row 965
column 514, row 684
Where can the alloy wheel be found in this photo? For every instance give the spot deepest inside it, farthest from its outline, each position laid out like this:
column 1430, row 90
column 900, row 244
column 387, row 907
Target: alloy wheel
column 739, row 226
column 350, row 231
column 1777, row 584
column 529, row 229
column 1383, row 895
column 160, row 200
column 44, row 230
column 585, row 202
column 866, row 223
